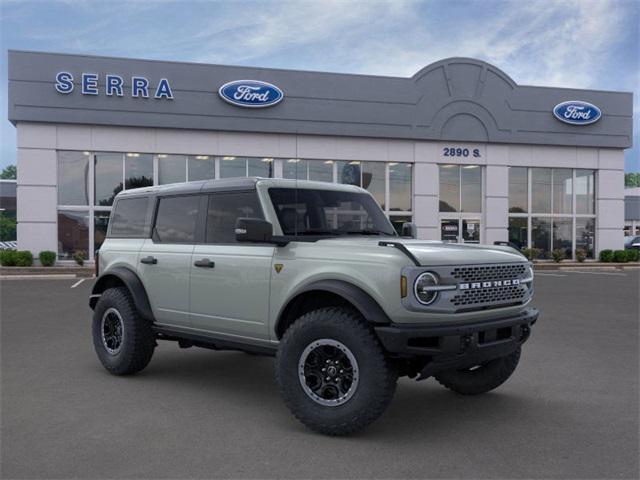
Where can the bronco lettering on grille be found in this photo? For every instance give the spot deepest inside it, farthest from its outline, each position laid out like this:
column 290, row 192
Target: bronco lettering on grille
column 494, row 283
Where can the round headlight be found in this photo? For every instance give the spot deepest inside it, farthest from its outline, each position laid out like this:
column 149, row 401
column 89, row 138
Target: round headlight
column 423, row 288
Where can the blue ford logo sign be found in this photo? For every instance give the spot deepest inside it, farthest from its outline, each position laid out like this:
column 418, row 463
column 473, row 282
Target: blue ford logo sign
column 250, row 93
column 577, row 112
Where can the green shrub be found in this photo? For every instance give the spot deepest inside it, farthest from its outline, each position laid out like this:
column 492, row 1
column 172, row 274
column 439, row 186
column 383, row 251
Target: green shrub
column 620, row 256
column 24, row 258
column 47, row 258
column 531, row 253
column 581, row 254
column 606, row 256
column 79, row 256
column 558, row 255
column 8, row 258
column 633, row 255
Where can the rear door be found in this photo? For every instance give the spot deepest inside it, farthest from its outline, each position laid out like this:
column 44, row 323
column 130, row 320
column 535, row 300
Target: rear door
column 229, row 280
column 165, row 259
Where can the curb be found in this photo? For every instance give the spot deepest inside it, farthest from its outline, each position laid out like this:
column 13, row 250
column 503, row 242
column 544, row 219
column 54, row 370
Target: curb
column 585, row 266
column 52, row 276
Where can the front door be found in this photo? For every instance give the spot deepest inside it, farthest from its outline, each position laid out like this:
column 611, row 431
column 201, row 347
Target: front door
column 460, row 230
column 165, row 259
column 230, row 281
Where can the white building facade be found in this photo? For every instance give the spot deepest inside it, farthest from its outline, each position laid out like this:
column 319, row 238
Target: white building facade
column 480, row 160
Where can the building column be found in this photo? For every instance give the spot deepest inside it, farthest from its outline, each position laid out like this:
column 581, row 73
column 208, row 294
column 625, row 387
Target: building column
column 426, row 192
column 610, row 200
column 36, row 194
column 496, row 204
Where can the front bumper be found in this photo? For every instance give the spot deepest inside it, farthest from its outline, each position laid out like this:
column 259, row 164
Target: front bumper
column 447, row 347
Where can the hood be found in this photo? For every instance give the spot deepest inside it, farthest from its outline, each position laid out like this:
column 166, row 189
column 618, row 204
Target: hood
column 430, row 253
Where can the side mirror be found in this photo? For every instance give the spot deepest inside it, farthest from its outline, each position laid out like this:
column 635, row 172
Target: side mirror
column 408, row 230
column 253, row 230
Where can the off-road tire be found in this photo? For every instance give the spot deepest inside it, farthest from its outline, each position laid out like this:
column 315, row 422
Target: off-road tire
column 138, row 341
column 377, row 375
column 481, row 380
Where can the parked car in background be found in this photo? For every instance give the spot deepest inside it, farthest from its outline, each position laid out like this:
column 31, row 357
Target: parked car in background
column 632, row 241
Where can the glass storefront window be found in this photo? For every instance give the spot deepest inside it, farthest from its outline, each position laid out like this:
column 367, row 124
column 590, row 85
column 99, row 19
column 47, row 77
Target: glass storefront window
column 562, row 190
column 400, row 188
column 518, row 232
column 562, row 235
column 100, row 224
column 73, row 178
column 260, row 167
column 73, row 233
column 398, row 220
column 294, row 168
column 541, row 235
column 373, row 180
column 171, row 169
column 471, row 190
column 233, row 167
column 585, row 192
column 138, row 170
column 320, row 170
column 541, row 190
column 108, row 178
column 201, row 167
column 449, row 188
column 585, row 235
column 518, row 190
column 471, row 231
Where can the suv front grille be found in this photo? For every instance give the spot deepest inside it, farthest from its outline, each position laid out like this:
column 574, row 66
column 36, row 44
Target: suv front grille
column 495, row 295
column 481, row 273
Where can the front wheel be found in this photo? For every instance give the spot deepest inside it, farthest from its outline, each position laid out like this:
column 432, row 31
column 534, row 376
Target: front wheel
column 333, row 373
column 480, row 378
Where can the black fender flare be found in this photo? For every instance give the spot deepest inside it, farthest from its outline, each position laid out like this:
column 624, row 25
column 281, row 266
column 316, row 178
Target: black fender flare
column 361, row 300
column 133, row 283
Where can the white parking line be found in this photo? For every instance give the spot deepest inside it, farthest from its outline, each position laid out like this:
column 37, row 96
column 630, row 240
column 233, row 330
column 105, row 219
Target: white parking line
column 539, row 274
column 599, row 273
column 78, row 283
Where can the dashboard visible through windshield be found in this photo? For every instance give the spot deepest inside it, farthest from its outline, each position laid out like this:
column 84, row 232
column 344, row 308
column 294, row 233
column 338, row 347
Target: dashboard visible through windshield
column 309, row 212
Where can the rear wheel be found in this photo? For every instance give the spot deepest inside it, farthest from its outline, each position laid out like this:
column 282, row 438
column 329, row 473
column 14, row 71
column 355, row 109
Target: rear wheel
column 480, row 378
column 333, row 373
column 123, row 341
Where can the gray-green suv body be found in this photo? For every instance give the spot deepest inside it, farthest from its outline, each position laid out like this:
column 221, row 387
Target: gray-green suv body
column 314, row 274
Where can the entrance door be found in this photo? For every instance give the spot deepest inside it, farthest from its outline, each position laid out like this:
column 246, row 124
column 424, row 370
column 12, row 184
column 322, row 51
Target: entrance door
column 460, row 230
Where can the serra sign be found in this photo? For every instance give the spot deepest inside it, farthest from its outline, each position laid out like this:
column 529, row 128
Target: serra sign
column 113, row 85
column 250, row 93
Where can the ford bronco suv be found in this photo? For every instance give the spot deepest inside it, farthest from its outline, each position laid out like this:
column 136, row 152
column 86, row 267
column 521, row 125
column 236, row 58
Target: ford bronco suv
column 314, row 274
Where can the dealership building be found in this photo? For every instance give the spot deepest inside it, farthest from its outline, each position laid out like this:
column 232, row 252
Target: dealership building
column 459, row 149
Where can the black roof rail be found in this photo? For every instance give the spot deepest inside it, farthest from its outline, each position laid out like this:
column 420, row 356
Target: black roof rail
column 402, row 248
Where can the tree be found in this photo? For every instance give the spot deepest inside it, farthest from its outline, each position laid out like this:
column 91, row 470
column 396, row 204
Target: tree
column 9, row 173
column 632, row 180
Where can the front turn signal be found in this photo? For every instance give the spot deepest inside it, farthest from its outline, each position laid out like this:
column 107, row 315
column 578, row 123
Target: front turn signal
column 403, row 286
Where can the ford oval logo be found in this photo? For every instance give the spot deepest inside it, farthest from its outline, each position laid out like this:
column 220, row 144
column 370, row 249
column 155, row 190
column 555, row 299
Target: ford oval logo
column 250, row 93
column 577, row 112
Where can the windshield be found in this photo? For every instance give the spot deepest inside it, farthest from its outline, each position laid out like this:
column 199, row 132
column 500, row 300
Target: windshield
column 303, row 212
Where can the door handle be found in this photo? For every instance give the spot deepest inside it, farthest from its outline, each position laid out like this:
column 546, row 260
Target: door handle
column 149, row 260
column 205, row 263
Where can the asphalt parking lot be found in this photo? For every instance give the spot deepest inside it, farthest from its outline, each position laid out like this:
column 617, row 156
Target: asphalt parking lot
column 569, row 411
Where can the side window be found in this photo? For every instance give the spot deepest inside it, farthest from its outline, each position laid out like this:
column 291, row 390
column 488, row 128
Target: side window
column 176, row 219
column 129, row 218
column 225, row 209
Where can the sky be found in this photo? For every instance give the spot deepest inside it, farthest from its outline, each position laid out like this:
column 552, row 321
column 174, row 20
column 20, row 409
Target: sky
column 565, row 43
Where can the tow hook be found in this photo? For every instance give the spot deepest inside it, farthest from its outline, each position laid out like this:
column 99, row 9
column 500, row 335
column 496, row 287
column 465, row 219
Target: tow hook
column 465, row 341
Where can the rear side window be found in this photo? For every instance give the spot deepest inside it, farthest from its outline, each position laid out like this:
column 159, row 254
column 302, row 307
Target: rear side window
column 129, row 218
column 176, row 219
column 224, row 209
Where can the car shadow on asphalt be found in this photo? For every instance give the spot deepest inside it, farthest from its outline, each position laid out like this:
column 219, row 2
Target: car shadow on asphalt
column 418, row 408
